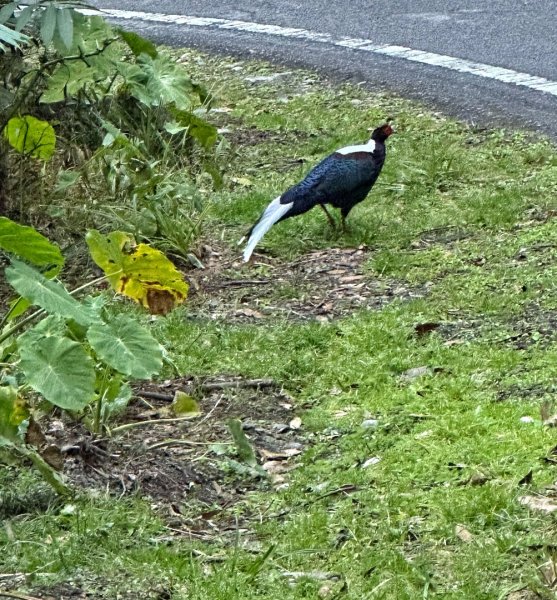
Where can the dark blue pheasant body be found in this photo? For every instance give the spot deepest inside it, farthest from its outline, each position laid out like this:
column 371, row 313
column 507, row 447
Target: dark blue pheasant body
column 343, row 179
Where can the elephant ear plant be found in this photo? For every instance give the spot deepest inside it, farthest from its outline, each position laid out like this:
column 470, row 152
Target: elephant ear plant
column 74, row 352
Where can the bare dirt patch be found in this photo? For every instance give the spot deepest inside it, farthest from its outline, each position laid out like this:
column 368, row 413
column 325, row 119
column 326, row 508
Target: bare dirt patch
column 321, row 285
column 189, row 470
column 191, row 461
column 535, row 325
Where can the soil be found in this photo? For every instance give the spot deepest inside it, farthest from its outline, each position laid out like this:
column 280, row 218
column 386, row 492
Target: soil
column 321, row 285
column 192, row 461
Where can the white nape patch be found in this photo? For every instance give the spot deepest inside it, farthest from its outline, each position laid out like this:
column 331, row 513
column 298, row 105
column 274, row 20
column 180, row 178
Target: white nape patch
column 272, row 214
column 533, row 82
column 369, row 147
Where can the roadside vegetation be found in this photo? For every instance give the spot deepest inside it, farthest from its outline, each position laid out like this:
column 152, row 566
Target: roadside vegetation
column 360, row 416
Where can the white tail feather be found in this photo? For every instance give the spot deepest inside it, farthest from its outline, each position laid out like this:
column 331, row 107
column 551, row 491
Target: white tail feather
column 272, row 214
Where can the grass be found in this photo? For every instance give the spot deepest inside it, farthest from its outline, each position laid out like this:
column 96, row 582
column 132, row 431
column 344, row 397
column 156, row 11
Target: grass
column 467, row 214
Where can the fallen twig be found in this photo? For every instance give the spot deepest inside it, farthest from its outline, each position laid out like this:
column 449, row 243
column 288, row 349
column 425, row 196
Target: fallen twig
column 240, row 383
column 208, row 415
column 134, row 424
column 208, row 386
column 155, row 395
column 242, row 282
column 319, row 575
column 177, row 442
column 17, row 595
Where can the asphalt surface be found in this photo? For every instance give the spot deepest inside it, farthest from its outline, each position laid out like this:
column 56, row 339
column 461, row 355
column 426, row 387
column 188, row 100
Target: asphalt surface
column 516, row 34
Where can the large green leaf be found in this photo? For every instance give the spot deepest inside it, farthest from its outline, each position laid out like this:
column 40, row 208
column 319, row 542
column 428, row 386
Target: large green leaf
column 198, row 128
column 159, row 81
column 50, row 295
column 107, row 252
column 58, row 368
column 64, row 22
column 7, row 11
column 31, row 136
column 24, row 16
column 48, row 23
column 126, row 346
column 72, row 77
column 92, row 33
column 12, row 415
column 29, row 244
column 137, row 44
column 89, row 34
column 9, row 37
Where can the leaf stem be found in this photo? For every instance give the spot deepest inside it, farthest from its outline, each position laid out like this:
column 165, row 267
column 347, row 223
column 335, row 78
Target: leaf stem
column 48, row 473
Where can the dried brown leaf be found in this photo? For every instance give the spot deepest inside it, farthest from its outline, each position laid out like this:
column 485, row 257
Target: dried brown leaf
column 549, row 573
column 277, row 467
column 546, row 409
column 53, row 456
column 283, row 455
column 463, row 534
column 160, row 302
column 34, row 435
column 250, row 312
column 542, row 503
column 422, row 329
column 295, row 423
column 478, row 479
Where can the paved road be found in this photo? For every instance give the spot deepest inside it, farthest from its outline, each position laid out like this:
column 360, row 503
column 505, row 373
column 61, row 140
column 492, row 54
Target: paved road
column 514, row 34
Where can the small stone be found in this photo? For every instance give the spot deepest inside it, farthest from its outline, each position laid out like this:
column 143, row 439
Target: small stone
column 370, row 423
column 416, row 372
column 370, row 462
column 295, row 423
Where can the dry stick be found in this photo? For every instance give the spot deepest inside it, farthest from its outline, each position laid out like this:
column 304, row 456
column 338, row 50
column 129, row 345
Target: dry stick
column 155, row 395
column 210, row 386
column 207, row 416
column 242, row 282
column 18, row 596
column 241, row 383
column 134, row 424
column 176, row 442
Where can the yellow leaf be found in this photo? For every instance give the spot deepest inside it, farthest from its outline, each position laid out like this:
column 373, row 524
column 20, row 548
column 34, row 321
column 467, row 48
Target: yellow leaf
column 184, row 405
column 141, row 272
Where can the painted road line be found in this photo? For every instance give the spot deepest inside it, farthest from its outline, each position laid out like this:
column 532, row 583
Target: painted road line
column 540, row 84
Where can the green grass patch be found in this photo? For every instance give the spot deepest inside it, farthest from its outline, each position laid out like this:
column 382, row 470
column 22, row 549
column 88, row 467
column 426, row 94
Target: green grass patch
column 425, row 503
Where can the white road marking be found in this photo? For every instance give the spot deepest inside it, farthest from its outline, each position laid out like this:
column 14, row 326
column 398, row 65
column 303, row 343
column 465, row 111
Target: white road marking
column 540, row 84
